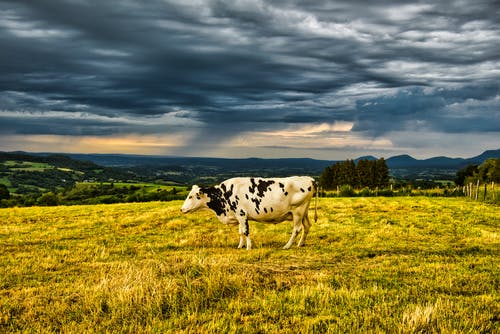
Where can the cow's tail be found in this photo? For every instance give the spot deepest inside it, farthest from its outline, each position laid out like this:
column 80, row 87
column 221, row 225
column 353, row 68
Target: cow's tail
column 316, row 187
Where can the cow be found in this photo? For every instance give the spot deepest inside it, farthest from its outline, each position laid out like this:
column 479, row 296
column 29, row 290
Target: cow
column 274, row 200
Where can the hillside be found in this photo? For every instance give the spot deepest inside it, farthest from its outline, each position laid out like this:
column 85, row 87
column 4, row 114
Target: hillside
column 38, row 172
column 436, row 168
column 189, row 170
column 406, row 161
column 400, row 161
column 27, row 173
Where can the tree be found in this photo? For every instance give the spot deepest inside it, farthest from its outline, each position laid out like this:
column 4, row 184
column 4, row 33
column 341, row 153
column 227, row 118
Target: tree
column 4, row 192
column 489, row 171
column 382, row 176
column 366, row 173
column 326, row 178
column 48, row 199
column 348, row 173
column 465, row 173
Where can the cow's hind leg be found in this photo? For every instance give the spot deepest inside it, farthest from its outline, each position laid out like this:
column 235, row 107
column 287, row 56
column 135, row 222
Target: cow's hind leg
column 306, row 224
column 244, row 232
column 297, row 226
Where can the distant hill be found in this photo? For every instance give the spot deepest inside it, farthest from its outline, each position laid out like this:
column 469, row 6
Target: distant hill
column 55, row 160
column 25, row 173
column 125, row 160
column 406, row 161
column 210, row 170
column 399, row 161
column 484, row 156
column 366, row 157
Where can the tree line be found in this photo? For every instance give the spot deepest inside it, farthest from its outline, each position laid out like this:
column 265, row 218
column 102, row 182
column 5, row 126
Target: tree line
column 478, row 181
column 370, row 174
column 488, row 171
column 82, row 193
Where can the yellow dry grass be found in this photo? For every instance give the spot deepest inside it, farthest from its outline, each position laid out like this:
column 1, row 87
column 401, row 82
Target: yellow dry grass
column 398, row 265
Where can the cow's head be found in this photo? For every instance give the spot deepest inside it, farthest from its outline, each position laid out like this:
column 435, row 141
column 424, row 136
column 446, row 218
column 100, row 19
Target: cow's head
column 196, row 200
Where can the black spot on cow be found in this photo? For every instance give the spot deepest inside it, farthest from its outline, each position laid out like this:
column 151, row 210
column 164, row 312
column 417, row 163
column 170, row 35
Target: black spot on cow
column 217, row 201
column 242, row 213
column 247, row 228
column 272, row 209
column 265, row 210
column 286, row 193
column 309, row 189
column 257, row 203
column 302, row 190
column 246, row 195
column 227, row 193
column 263, row 186
column 253, row 186
column 282, row 186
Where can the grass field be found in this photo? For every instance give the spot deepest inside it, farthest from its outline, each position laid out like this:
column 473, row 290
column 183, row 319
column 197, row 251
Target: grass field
column 391, row 265
column 147, row 186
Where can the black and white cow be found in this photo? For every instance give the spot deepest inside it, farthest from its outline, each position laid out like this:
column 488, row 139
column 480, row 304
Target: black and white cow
column 237, row 200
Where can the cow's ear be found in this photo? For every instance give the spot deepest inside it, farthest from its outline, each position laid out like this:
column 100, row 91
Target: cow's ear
column 200, row 193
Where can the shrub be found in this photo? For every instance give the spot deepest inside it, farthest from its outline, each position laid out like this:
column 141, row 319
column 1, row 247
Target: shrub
column 386, row 193
column 48, row 199
column 365, row 192
column 347, row 191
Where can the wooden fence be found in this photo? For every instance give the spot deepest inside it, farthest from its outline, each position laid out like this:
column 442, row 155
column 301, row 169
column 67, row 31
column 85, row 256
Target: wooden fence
column 477, row 191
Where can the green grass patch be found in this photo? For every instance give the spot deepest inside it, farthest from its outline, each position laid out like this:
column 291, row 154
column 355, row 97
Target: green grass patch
column 149, row 186
column 26, row 166
column 5, row 181
column 391, row 265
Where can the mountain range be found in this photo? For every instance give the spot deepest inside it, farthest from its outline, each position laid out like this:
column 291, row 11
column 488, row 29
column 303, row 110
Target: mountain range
column 191, row 169
column 399, row 161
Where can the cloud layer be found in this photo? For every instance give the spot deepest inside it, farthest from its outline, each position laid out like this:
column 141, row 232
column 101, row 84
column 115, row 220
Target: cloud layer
column 216, row 75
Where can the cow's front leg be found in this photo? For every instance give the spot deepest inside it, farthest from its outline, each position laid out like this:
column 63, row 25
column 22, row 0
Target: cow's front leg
column 242, row 240
column 244, row 232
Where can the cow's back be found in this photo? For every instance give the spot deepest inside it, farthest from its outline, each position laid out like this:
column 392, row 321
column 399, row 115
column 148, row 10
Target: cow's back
column 269, row 199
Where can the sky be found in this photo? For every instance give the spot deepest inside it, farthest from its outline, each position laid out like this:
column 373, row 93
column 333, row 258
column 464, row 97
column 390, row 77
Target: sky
column 250, row 78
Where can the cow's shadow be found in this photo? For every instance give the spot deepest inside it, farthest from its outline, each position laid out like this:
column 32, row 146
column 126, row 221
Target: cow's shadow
column 229, row 246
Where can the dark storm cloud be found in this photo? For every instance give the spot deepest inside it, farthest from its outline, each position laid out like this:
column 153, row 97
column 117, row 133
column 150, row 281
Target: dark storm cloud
column 447, row 110
column 234, row 66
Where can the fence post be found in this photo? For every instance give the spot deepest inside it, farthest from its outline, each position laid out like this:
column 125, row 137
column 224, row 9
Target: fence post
column 484, row 197
column 477, row 190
